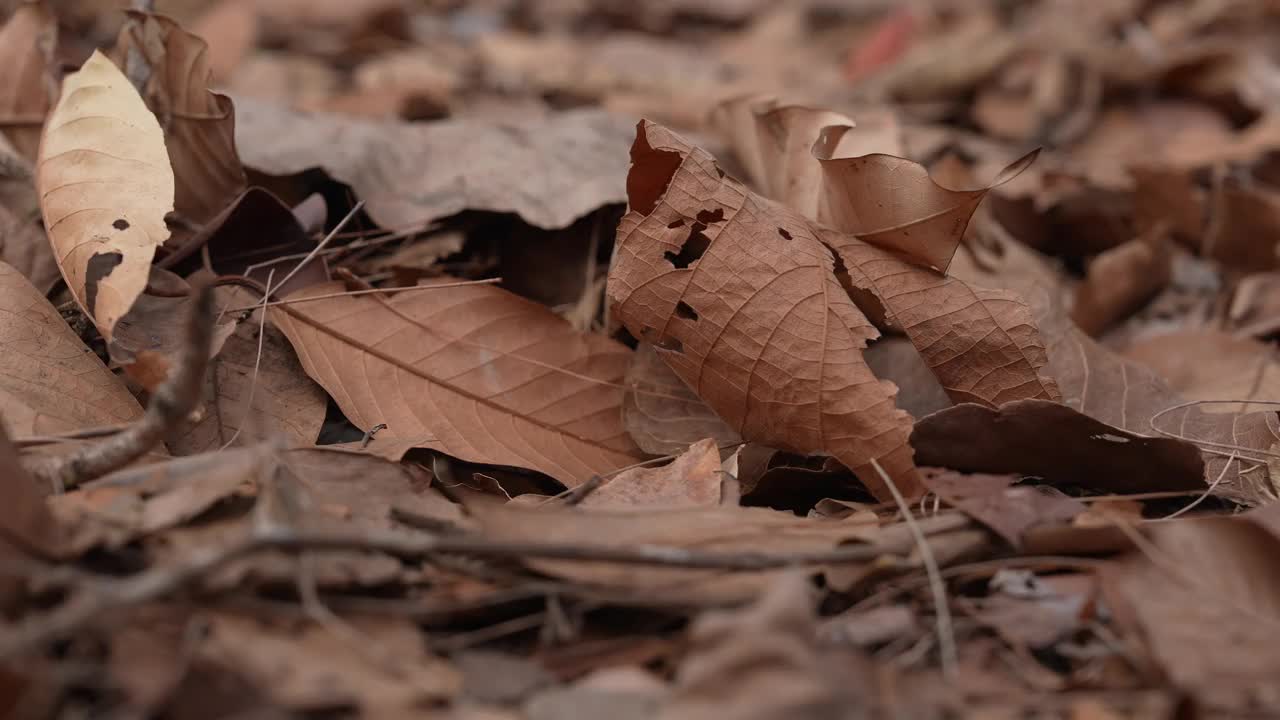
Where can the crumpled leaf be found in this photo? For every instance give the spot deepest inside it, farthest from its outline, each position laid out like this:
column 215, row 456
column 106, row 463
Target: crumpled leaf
column 763, row 662
column 199, row 125
column 661, row 413
column 475, row 372
column 28, row 87
column 410, row 174
column 692, row 479
column 105, row 187
column 741, row 299
column 51, row 382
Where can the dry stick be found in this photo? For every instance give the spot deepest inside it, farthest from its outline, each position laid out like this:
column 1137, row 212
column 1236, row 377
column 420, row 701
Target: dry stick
column 1207, row 491
column 152, row 584
column 170, row 404
column 946, row 634
column 253, row 381
column 316, row 250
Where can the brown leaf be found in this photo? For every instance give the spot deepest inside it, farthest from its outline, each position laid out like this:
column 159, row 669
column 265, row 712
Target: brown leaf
column 26, row 526
column 285, row 402
column 990, row 499
column 475, row 372
column 51, row 382
column 1058, row 444
column 1205, row 599
column 231, row 30
column 1203, row 364
column 1243, row 226
column 661, row 413
column 1035, row 611
column 762, row 662
column 199, row 125
column 27, row 43
column 23, row 243
column 721, row 528
column 1121, row 280
column 105, row 187
column 398, row 168
column 312, row 667
column 741, row 299
column 691, row 480
column 1126, row 395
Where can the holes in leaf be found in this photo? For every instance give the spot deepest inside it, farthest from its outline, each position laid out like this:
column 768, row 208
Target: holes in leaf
column 710, row 217
column 692, row 248
column 679, row 222
column 684, row 310
column 783, row 232
column 120, row 224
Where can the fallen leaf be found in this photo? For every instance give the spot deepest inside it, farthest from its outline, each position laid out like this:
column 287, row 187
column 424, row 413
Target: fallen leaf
column 991, row 500
column 27, row 44
column 250, row 395
column 662, row 415
column 396, row 167
column 762, row 662
column 1120, row 281
column 720, row 528
column 1032, row 611
column 1242, row 228
column 1203, row 364
column 199, row 125
column 692, row 479
column 23, row 243
column 26, row 525
column 379, row 665
column 1205, row 601
column 281, row 78
column 1058, row 444
column 476, row 372
column 741, row 299
column 230, row 28
column 51, row 382
column 105, row 187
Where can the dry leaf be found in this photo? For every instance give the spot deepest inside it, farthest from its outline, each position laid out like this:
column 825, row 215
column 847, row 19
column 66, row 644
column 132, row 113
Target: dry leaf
column 1058, row 444
column 741, row 299
column 51, row 382
column 1205, row 598
column 661, row 413
column 1120, row 281
column 26, row 526
column 411, row 174
column 1211, row 365
column 23, row 243
column 199, row 126
column 762, row 662
column 312, row 667
column 1008, row 511
column 1243, row 227
column 105, row 187
column 285, row 402
column 692, row 479
column 475, row 372
column 27, row 43
column 231, row 30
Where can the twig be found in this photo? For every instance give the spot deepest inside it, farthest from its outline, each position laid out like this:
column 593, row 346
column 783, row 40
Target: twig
column 253, row 380
column 152, row 584
column 316, row 250
column 1207, row 491
column 946, row 634
column 1223, row 448
column 368, row 434
column 171, row 403
column 580, row 493
column 352, row 293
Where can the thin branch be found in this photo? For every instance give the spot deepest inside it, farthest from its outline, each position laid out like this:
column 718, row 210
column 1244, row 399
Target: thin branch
column 946, row 634
column 89, row 605
column 170, row 404
column 352, row 293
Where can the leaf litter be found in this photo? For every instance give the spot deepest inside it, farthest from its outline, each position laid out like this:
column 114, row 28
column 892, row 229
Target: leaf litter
column 919, row 362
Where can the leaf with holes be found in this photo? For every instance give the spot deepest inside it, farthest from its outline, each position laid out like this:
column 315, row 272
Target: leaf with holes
column 741, row 299
column 475, row 372
column 105, row 185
